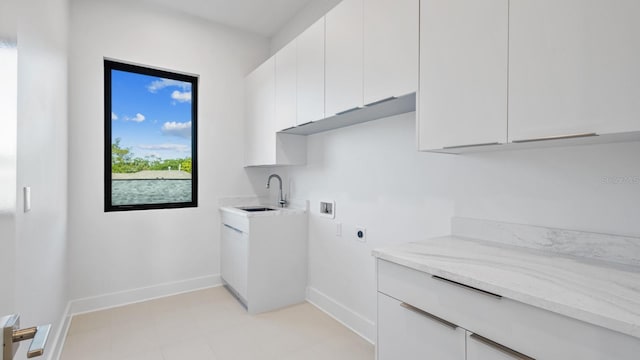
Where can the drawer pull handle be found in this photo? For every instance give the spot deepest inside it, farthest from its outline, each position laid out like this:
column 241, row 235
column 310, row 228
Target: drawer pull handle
column 560, row 137
column 381, row 101
column 232, row 228
column 348, row 110
column 467, row 286
column 500, row 347
column 470, row 145
column 430, row 316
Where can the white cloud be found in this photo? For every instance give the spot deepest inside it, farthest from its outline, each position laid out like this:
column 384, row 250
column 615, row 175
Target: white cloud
column 114, row 116
column 163, row 83
column 178, row 129
column 166, row 147
column 138, row 118
column 181, row 96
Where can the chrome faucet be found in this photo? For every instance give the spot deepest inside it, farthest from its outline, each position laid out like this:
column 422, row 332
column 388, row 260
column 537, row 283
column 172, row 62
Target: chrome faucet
column 283, row 202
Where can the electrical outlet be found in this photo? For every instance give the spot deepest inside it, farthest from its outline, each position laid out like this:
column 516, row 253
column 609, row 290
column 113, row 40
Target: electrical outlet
column 338, row 229
column 361, row 234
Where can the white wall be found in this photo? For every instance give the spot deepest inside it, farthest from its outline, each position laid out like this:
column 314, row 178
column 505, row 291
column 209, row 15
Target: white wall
column 120, row 251
column 379, row 181
column 8, row 175
column 41, row 235
column 8, row 139
column 8, row 20
column 308, row 15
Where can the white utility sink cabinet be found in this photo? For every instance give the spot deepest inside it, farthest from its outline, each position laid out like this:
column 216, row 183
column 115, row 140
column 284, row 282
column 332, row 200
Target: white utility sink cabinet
column 263, row 257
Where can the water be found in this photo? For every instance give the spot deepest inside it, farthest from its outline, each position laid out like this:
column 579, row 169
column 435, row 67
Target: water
column 136, row 192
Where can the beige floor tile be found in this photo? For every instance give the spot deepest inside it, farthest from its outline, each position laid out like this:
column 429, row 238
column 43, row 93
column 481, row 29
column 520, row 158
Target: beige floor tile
column 336, row 348
column 90, row 344
column 136, row 315
column 133, row 340
column 254, row 339
column 195, row 349
column 210, row 324
column 221, row 317
column 90, row 321
column 149, row 355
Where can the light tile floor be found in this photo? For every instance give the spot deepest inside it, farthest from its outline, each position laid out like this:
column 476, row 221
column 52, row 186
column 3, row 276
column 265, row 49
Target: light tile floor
column 210, row 324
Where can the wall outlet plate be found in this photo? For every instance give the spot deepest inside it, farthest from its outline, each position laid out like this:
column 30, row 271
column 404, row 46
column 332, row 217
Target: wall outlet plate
column 361, row 234
column 328, row 209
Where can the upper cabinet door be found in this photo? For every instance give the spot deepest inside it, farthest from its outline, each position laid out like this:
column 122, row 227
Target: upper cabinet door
column 344, row 57
column 573, row 67
column 260, row 143
column 390, row 48
column 463, row 73
column 286, row 82
column 310, row 44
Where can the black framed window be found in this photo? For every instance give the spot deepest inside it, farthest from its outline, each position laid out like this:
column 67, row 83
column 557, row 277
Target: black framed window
column 150, row 152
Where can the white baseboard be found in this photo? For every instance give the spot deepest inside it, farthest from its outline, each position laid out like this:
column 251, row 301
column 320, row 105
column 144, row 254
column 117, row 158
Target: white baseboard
column 55, row 350
column 349, row 318
column 126, row 297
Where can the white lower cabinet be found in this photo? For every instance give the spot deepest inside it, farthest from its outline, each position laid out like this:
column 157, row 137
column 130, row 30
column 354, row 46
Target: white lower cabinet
column 263, row 259
column 409, row 333
column 234, row 253
column 480, row 348
column 421, row 316
column 402, row 330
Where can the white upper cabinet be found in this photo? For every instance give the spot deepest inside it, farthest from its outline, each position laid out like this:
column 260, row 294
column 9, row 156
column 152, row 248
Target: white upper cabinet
column 344, row 57
column 390, row 48
column 286, row 83
column 260, row 142
column 263, row 146
column 462, row 100
column 310, row 88
column 574, row 67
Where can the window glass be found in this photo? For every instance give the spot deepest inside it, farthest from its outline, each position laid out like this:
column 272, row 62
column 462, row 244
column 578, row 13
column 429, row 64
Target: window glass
column 150, row 138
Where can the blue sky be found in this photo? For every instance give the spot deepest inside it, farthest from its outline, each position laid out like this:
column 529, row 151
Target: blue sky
column 151, row 115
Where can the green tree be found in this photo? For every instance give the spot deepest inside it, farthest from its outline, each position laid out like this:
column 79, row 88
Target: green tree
column 186, row 165
column 122, row 161
column 119, row 157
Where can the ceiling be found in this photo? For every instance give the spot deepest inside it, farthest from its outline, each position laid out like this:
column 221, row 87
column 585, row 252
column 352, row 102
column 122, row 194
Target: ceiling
column 263, row 17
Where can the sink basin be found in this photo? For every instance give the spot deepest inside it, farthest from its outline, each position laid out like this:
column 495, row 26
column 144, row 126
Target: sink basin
column 256, row 209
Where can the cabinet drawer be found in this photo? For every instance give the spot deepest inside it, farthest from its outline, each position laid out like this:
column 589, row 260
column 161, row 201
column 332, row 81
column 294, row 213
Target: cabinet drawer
column 532, row 331
column 235, row 222
column 408, row 334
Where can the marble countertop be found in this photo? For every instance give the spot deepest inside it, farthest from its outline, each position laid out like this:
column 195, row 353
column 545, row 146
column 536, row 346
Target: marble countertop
column 591, row 291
